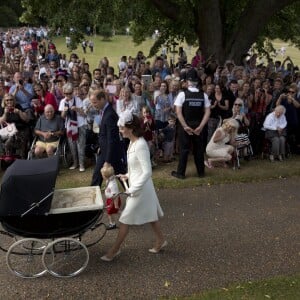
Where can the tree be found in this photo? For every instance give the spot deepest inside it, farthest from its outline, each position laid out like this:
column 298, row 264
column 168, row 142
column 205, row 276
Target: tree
column 7, row 17
column 224, row 28
column 10, row 13
column 227, row 29
column 74, row 14
column 106, row 31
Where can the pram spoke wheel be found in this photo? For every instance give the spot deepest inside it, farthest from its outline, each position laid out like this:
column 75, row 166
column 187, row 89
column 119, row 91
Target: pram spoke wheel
column 24, row 258
column 94, row 235
column 65, row 153
column 65, row 257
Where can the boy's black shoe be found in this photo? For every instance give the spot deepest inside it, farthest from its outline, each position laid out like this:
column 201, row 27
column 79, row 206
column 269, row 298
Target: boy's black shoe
column 111, row 226
column 177, row 175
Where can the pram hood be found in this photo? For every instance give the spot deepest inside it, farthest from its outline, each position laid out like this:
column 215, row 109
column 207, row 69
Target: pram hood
column 27, row 182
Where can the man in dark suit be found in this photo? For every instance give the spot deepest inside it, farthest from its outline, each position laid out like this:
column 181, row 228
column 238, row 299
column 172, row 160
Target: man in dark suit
column 111, row 150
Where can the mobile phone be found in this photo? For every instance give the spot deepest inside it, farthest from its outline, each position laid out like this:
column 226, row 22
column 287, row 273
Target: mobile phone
column 147, row 79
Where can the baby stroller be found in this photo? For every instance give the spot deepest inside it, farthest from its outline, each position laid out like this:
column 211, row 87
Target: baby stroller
column 48, row 230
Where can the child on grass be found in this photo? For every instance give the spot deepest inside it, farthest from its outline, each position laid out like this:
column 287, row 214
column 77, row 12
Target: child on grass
column 169, row 139
column 148, row 125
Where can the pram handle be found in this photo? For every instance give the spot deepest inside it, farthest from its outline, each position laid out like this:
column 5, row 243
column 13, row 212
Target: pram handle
column 36, row 204
column 126, row 185
column 123, row 180
column 119, row 194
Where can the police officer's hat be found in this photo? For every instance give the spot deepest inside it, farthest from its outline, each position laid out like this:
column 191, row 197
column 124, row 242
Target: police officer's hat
column 192, row 75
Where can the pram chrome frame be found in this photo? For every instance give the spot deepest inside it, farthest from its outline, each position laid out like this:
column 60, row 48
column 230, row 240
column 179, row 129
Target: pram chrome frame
column 55, row 239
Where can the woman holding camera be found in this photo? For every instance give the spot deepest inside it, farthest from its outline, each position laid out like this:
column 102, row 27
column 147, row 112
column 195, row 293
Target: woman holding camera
column 43, row 97
column 11, row 112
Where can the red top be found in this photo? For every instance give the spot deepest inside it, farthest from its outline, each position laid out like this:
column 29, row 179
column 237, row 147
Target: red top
column 49, row 98
column 34, row 45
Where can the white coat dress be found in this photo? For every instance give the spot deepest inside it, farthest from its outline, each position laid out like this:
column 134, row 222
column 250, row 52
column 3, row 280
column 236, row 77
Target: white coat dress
column 142, row 206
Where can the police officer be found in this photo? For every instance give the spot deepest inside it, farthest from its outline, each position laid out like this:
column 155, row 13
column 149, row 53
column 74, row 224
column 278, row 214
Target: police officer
column 193, row 111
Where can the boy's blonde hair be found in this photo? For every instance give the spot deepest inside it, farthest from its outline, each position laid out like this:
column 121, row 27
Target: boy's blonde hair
column 107, row 171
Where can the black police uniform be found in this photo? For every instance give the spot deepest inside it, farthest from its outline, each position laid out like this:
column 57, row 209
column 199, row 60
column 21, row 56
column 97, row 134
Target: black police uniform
column 193, row 110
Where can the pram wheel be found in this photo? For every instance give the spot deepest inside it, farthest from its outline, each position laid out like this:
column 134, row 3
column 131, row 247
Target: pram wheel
column 65, row 257
column 66, row 154
column 94, row 235
column 23, row 258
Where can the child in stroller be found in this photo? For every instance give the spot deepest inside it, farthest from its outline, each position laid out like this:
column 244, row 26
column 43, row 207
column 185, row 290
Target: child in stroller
column 113, row 201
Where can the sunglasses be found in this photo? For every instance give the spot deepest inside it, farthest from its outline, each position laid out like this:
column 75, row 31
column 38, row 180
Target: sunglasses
column 37, row 90
column 9, row 99
column 291, row 92
column 68, row 94
column 238, row 104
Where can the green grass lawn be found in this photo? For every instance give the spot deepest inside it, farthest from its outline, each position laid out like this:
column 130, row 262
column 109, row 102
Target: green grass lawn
column 122, row 45
column 252, row 171
column 284, row 288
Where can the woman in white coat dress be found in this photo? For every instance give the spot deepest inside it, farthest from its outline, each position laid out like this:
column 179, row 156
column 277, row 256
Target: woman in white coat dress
column 142, row 205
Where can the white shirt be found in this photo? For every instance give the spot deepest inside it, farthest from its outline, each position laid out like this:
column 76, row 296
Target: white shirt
column 273, row 123
column 81, row 120
column 181, row 98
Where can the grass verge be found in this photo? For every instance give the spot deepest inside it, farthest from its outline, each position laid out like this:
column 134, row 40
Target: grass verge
column 253, row 171
column 285, row 288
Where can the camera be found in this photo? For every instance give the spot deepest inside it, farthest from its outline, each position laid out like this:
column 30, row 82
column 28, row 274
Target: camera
column 21, row 82
column 11, row 110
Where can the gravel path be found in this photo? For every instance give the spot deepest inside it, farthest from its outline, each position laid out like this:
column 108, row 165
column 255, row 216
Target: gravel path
column 217, row 235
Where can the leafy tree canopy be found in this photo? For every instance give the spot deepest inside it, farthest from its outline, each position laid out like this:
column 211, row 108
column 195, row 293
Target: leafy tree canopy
column 10, row 11
column 225, row 28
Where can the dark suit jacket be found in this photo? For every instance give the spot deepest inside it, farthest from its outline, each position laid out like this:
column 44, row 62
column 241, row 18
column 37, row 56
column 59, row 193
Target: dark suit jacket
column 109, row 138
column 111, row 148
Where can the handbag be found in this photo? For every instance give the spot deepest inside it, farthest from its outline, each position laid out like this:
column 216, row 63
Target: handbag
column 8, row 130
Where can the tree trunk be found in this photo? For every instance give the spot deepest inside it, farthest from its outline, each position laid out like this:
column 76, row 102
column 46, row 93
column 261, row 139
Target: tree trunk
column 211, row 25
column 209, row 29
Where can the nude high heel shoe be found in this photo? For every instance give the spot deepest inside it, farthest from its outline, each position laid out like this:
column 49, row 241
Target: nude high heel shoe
column 105, row 258
column 155, row 251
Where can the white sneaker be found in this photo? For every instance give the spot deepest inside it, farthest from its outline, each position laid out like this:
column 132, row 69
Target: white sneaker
column 81, row 169
column 73, row 167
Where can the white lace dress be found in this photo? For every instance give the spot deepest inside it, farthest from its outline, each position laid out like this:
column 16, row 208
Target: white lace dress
column 143, row 205
column 220, row 148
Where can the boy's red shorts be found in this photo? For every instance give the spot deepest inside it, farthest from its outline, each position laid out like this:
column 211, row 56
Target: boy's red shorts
column 110, row 206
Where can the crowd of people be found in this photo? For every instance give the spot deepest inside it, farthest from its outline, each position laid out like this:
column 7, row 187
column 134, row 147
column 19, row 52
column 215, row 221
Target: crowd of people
column 181, row 106
column 142, row 114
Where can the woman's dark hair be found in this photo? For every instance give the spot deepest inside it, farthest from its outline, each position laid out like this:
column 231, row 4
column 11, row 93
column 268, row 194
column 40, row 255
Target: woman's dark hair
column 135, row 125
